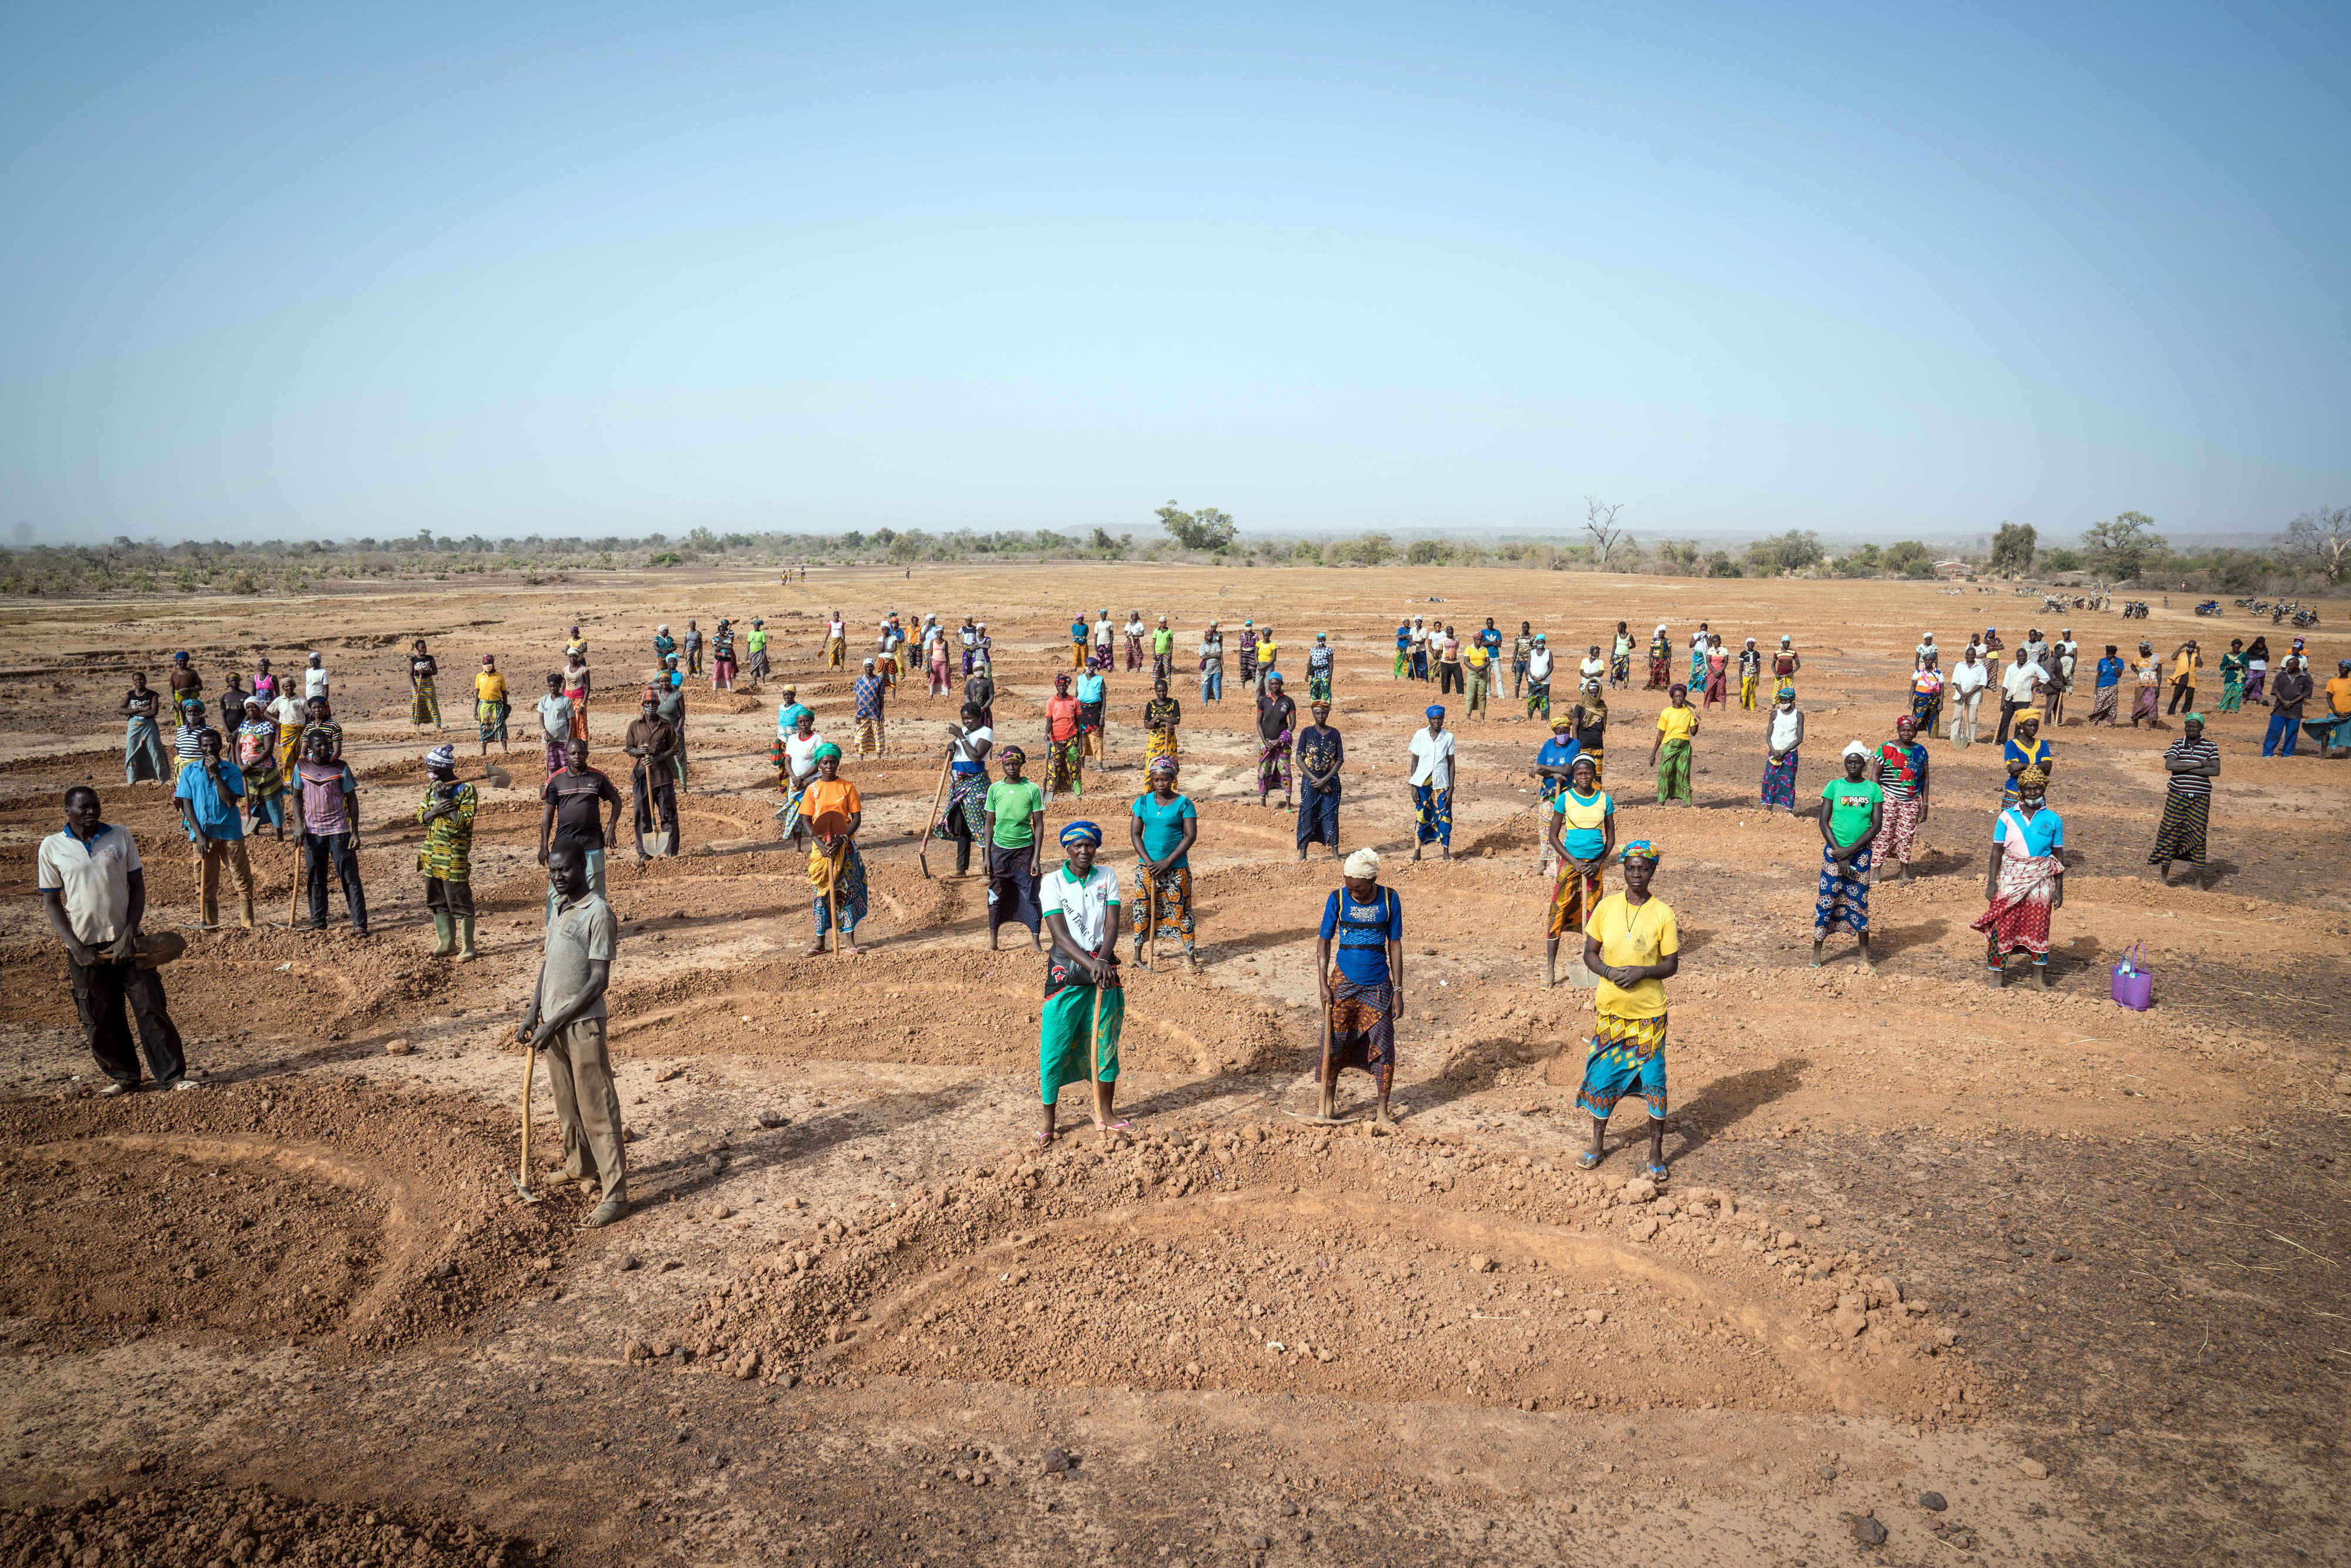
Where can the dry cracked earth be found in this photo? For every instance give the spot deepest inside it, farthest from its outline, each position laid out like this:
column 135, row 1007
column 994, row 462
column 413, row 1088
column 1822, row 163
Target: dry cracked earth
column 1942, row 1274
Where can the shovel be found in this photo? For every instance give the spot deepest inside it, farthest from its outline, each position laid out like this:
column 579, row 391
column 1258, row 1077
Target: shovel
column 522, row 1172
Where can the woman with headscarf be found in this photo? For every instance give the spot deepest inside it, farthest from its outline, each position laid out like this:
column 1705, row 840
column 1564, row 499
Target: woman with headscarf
column 1783, row 734
column 1077, row 1028
column 1093, row 697
column 1660, row 656
column 1902, row 774
column 2232, row 676
column 424, row 706
column 1718, row 672
column 1590, row 717
column 447, row 814
column 965, row 820
column 1277, row 725
column 836, row 871
column 979, row 692
column 257, row 758
column 2257, row 669
column 1538, row 668
column 1671, row 751
column 1927, row 696
column 2025, row 880
column 2026, row 749
column 1134, row 631
column 1751, row 675
column 1786, row 662
column 1853, row 813
column 490, row 705
column 1161, row 715
column 1580, row 834
column 1163, row 826
column 1632, row 944
column 1431, row 781
column 795, row 761
column 1065, row 741
column 1247, row 653
column 1014, row 810
column 1321, row 754
column 942, row 684
column 1698, row 644
column 722, row 657
column 1619, row 658
column 1362, row 990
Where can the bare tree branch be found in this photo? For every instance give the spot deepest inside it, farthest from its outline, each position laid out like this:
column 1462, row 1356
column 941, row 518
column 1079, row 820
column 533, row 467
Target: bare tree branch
column 1600, row 522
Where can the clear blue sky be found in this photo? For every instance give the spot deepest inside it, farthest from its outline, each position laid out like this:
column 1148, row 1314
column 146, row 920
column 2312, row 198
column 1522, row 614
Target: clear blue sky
column 519, row 269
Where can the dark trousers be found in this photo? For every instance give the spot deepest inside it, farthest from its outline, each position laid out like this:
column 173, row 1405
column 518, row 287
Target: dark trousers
column 1448, row 677
column 2183, row 697
column 2008, row 710
column 319, row 850
column 441, row 895
column 660, row 799
column 100, row 993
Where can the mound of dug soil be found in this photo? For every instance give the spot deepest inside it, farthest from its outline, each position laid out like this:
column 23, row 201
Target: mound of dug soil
column 289, row 1209
column 198, row 1526
column 1392, row 1268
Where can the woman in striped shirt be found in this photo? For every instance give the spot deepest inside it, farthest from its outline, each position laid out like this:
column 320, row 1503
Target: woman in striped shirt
column 2194, row 762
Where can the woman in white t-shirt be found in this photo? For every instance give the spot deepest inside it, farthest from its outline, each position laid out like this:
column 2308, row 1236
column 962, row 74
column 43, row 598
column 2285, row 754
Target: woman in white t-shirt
column 965, row 820
column 1077, row 1028
column 800, row 771
column 1432, row 785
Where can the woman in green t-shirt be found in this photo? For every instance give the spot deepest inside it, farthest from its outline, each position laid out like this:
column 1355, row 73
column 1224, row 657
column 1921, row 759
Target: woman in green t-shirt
column 1852, row 811
column 1016, row 817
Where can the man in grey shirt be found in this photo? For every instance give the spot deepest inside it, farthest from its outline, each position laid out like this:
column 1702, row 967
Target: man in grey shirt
column 566, row 1017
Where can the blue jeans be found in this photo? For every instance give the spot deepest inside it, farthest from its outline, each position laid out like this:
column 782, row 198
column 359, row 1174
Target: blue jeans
column 1212, row 683
column 2280, row 724
column 272, row 810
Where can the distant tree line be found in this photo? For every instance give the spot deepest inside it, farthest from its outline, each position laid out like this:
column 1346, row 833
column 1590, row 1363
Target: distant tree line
column 2314, row 550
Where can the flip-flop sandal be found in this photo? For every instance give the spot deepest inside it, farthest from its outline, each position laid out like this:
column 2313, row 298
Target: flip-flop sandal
column 1045, row 1138
column 1657, row 1173
column 1114, row 1127
column 1586, row 1160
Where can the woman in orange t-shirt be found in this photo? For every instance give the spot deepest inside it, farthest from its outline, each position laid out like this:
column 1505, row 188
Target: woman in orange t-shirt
column 1064, row 745
column 836, row 871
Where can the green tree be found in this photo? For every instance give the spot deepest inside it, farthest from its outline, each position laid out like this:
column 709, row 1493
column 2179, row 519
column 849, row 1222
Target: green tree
column 1680, row 556
column 1207, row 528
column 1866, row 562
column 1369, row 549
column 1911, row 558
column 1429, row 552
column 1719, row 564
column 2062, row 560
column 2120, row 549
column 2013, row 549
column 1792, row 551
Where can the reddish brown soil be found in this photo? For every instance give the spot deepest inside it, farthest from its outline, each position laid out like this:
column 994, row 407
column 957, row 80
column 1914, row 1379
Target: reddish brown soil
column 857, row 1310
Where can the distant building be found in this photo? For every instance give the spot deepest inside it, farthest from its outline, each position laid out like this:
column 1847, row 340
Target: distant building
column 1952, row 569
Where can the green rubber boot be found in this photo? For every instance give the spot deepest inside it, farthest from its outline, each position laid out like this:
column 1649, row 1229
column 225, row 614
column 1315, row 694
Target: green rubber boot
column 444, row 940
column 466, row 955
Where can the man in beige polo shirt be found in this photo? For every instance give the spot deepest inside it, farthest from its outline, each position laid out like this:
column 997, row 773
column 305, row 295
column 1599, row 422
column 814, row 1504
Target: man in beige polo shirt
column 94, row 891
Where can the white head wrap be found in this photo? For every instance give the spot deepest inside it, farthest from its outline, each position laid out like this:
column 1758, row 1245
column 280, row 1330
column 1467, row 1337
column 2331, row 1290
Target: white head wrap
column 1361, row 864
column 1855, row 749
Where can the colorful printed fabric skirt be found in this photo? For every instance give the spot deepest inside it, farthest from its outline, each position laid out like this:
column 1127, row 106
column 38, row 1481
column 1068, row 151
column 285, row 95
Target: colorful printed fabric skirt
column 1317, row 689
column 1432, row 811
column 423, row 707
column 1013, row 888
column 1620, row 668
column 2181, row 836
column 1165, row 903
column 1065, row 1034
column 1066, row 775
column 1844, row 893
column 965, row 816
column 490, row 718
column 2148, row 704
column 790, row 814
column 1623, row 1052
column 869, row 736
column 2254, row 680
column 1273, row 766
column 1156, row 744
column 1926, row 708
column 2102, row 704
column 2232, row 694
column 578, row 714
column 554, row 758
column 1901, row 824
column 1574, row 896
column 2019, row 915
column 1780, row 780
column 1538, row 698
column 839, row 877
column 1362, row 1030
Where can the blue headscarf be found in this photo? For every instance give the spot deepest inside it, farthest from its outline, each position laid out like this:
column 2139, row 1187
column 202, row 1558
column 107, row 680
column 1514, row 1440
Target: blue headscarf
column 1080, row 833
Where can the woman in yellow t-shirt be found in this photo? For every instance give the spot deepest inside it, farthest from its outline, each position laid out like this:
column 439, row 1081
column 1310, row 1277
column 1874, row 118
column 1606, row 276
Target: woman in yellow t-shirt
column 1268, row 650
column 1634, row 945
column 1670, row 754
column 490, row 704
